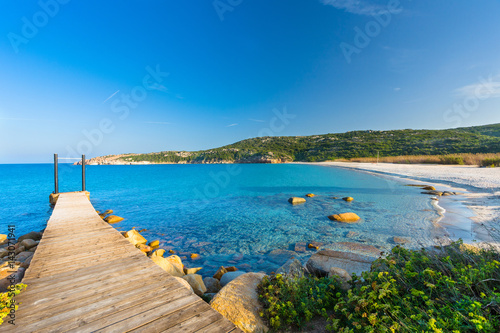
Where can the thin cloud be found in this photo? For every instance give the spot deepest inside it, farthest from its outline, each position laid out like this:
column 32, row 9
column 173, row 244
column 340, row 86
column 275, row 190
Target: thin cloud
column 397, row 89
column 157, row 122
column 257, row 120
column 359, row 7
column 232, row 125
column 485, row 88
column 107, row 99
column 19, row 119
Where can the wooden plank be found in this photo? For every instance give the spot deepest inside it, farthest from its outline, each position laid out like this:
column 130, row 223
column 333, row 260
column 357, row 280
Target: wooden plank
column 220, row 326
column 162, row 323
column 86, row 277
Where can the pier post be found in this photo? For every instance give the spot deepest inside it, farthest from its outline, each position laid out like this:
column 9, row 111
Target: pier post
column 83, row 172
column 56, row 176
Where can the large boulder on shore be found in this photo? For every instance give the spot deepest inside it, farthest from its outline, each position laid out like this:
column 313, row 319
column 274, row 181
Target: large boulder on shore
column 345, row 217
column 196, row 282
column 113, row 219
column 239, row 302
column 169, row 265
column 296, row 200
column 321, row 262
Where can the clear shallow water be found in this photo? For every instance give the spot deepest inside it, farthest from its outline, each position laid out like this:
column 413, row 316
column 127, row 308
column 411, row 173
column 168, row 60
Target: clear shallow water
column 229, row 214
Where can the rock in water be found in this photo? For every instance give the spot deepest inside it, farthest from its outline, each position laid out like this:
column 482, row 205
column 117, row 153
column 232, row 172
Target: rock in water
column 113, row 219
column 212, row 284
column 239, row 302
column 135, row 237
column 196, row 282
column 345, row 217
column 429, row 188
column 221, row 271
column 310, row 195
column 348, row 199
column 154, row 244
column 296, row 200
column 400, row 240
column 292, row 267
column 230, row 276
column 320, row 263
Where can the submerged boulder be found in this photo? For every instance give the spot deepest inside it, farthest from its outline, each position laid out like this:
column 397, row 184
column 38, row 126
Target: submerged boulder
column 345, row 217
column 239, row 302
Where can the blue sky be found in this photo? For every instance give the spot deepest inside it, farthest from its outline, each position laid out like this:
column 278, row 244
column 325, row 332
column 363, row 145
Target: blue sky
column 141, row 76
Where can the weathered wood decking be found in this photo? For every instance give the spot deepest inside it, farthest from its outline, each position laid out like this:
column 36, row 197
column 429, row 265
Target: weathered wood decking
column 86, row 277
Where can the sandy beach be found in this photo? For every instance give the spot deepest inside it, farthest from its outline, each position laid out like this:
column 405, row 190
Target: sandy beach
column 481, row 188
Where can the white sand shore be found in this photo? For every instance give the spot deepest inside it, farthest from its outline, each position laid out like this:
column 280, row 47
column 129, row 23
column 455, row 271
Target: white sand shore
column 481, row 187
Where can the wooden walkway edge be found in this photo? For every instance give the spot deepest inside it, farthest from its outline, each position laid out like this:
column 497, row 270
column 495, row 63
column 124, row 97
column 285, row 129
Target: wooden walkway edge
column 86, row 277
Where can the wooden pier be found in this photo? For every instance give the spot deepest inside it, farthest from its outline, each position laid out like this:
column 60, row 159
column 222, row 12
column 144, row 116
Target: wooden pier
column 86, row 277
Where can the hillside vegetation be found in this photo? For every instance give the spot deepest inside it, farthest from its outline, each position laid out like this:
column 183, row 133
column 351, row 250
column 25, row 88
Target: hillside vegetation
column 349, row 145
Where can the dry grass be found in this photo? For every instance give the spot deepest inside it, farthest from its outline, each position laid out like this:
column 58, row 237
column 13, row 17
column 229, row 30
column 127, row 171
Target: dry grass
column 458, row 159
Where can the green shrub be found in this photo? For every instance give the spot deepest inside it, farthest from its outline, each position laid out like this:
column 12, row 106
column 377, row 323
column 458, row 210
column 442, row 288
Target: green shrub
column 5, row 300
column 291, row 302
column 491, row 162
column 453, row 289
column 452, row 160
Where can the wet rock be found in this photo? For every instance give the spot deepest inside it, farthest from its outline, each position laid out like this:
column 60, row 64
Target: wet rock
column 221, row 271
column 310, row 195
column 296, row 200
column 196, row 282
column 113, row 219
column 293, row 267
column 239, row 302
column 300, row 247
column 320, row 263
column 280, row 256
column 31, row 235
column 400, row 240
column 230, row 276
column 212, row 284
column 135, row 237
column 429, row 188
column 352, row 234
column 194, row 256
column 314, row 245
column 231, row 268
column 348, row 199
column 438, row 193
column 345, row 217
column 154, row 244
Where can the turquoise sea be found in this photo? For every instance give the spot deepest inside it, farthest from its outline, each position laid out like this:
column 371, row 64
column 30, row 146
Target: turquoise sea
column 229, row 214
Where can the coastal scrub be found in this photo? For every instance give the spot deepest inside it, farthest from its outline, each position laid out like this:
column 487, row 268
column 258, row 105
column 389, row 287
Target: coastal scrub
column 451, row 289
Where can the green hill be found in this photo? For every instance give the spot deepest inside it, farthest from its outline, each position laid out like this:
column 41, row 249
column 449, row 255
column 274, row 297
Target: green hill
column 480, row 139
